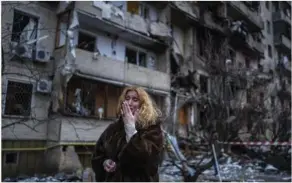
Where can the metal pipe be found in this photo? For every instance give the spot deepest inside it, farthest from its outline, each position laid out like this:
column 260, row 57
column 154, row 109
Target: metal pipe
column 174, row 115
column 216, row 162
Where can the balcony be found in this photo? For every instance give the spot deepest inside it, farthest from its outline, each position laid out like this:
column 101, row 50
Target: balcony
column 281, row 17
column 282, row 42
column 120, row 72
column 239, row 11
column 109, row 18
column 247, row 44
column 255, row 45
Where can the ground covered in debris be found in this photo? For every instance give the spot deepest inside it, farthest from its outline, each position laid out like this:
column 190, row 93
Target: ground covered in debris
column 60, row 177
column 231, row 169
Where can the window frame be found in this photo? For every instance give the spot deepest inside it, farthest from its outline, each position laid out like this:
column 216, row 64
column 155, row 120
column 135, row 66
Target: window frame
column 57, row 37
column 105, row 104
column 5, row 158
column 267, row 5
column 4, row 91
column 270, row 51
column 31, row 15
column 138, row 51
column 88, row 34
column 268, row 27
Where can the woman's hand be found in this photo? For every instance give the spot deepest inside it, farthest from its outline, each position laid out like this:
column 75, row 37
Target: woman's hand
column 128, row 117
column 109, row 165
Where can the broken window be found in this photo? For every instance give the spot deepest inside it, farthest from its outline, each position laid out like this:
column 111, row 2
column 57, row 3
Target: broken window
column 268, row 5
column 18, row 99
column 183, row 115
column 247, row 63
column 144, row 11
column 133, row 7
column 248, row 96
column 270, row 51
column 272, row 101
column 261, row 99
column 158, row 100
column 275, row 6
column 203, row 84
column 11, row 157
column 201, row 39
column 268, row 27
column 136, row 57
column 62, row 26
column 86, row 42
column 24, row 27
column 92, row 98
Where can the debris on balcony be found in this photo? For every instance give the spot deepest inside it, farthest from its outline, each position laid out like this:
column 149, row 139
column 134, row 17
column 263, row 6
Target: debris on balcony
column 132, row 21
column 66, row 67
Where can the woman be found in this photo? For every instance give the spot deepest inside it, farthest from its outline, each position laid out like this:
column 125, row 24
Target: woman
column 129, row 149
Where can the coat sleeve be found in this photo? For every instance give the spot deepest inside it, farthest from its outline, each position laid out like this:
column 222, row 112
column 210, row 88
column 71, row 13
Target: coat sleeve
column 143, row 150
column 98, row 157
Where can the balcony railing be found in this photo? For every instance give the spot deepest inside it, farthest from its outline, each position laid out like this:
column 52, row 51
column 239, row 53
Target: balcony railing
column 282, row 40
column 258, row 46
column 123, row 19
column 253, row 17
column 278, row 16
column 119, row 71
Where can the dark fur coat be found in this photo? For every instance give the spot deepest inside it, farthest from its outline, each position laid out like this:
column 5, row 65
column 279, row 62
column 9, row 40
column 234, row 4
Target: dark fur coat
column 136, row 161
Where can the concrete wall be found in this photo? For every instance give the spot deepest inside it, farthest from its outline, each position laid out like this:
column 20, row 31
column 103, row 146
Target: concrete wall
column 81, row 129
column 104, row 45
column 266, row 15
column 27, row 71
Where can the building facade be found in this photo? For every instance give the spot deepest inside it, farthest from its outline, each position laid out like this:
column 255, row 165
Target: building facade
column 64, row 65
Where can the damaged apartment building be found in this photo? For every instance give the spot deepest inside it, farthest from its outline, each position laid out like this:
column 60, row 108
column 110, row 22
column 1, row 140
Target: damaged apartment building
column 64, row 65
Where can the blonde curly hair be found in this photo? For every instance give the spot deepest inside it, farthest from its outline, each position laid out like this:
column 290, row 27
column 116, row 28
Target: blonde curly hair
column 148, row 112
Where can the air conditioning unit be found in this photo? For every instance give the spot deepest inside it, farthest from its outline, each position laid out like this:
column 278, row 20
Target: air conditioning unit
column 42, row 55
column 44, row 86
column 21, row 50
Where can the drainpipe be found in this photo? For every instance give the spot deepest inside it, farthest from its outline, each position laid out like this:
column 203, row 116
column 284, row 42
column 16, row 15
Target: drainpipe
column 174, row 115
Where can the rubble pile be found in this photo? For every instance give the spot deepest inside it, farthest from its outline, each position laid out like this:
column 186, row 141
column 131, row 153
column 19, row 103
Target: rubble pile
column 60, row 177
column 231, row 169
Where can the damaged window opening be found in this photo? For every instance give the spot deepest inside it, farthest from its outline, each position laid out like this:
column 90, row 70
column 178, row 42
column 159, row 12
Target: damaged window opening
column 270, row 51
column 11, row 157
column 62, row 26
column 86, row 42
column 136, row 57
column 91, row 98
column 203, row 84
column 268, row 27
column 272, row 101
column 261, row 99
column 144, row 11
column 200, row 37
column 18, row 99
column 133, row 7
column 248, row 96
column 24, row 27
column 247, row 63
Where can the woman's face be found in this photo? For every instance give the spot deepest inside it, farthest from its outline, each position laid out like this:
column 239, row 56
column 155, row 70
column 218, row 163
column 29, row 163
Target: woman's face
column 133, row 100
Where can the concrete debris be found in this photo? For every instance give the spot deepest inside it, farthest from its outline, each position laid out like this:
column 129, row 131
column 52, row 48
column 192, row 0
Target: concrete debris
column 69, row 160
column 60, row 177
column 271, row 169
column 231, row 169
